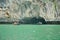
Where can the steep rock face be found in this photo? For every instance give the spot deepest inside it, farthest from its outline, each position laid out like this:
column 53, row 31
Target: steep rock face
column 18, row 9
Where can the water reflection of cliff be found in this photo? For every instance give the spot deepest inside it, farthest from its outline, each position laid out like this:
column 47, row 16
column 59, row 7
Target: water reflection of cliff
column 33, row 8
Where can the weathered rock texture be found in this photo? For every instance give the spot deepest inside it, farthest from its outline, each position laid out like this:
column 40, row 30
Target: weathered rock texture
column 48, row 9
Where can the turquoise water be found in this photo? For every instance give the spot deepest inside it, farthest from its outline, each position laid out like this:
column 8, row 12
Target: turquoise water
column 29, row 32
